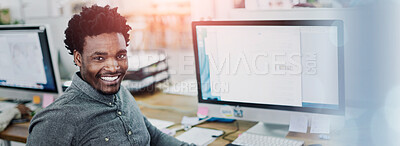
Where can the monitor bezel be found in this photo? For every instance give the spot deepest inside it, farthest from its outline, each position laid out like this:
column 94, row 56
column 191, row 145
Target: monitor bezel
column 337, row 23
column 44, row 40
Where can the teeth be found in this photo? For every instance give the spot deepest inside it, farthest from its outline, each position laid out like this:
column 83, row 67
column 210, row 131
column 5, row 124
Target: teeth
column 109, row 78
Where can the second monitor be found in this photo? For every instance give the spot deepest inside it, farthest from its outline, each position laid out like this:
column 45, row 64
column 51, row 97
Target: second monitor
column 269, row 69
column 27, row 65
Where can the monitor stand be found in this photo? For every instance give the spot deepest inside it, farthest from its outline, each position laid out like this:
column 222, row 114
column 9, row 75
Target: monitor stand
column 267, row 129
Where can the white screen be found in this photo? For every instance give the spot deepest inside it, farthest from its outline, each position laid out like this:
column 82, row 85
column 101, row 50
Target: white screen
column 279, row 65
column 21, row 59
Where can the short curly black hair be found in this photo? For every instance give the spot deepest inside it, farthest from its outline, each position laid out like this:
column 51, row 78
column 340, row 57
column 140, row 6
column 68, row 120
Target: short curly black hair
column 93, row 21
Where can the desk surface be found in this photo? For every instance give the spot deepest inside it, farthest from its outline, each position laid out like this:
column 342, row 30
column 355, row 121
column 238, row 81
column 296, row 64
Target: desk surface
column 16, row 132
column 170, row 108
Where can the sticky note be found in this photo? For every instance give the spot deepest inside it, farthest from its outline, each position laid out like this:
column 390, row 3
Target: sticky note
column 47, row 100
column 226, row 111
column 298, row 123
column 202, row 112
column 36, row 99
column 320, row 125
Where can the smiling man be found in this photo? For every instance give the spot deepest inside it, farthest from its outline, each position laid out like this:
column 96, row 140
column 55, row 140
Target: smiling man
column 103, row 62
column 95, row 109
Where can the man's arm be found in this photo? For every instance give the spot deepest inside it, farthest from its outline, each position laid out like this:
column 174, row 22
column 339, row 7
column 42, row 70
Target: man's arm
column 51, row 127
column 159, row 138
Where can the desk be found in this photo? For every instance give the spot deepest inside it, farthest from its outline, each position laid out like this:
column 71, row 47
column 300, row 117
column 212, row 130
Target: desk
column 187, row 106
column 16, row 132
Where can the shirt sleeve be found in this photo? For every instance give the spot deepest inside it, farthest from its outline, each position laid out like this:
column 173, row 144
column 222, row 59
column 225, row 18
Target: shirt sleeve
column 159, row 138
column 6, row 116
column 51, row 127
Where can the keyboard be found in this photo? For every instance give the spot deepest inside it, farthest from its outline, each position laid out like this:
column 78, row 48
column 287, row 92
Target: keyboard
column 248, row 139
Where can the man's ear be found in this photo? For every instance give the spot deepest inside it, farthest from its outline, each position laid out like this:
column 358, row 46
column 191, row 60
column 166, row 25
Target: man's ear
column 77, row 58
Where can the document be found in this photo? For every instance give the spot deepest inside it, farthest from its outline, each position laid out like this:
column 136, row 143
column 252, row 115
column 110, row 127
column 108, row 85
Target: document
column 160, row 124
column 200, row 136
column 298, row 123
column 265, row 58
column 6, row 105
column 320, row 125
column 320, row 82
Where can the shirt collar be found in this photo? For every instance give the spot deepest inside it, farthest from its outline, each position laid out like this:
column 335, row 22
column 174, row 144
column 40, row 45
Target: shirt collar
column 80, row 84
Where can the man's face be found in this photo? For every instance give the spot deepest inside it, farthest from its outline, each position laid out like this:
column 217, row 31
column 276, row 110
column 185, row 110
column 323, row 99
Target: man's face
column 103, row 62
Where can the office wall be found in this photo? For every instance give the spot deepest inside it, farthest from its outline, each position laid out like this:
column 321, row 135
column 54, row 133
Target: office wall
column 13, row 5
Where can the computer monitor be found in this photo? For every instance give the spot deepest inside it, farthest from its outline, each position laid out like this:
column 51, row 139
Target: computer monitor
column 267, row 70
column 28, row 66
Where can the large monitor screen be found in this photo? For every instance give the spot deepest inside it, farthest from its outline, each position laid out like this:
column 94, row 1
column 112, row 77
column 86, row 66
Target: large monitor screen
column 290, row 65
column 25, row 59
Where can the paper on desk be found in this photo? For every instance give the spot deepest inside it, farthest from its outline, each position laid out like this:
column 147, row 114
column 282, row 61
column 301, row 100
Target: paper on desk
column 189, row 120
column 200, row 136
column 298, row 123
column 320, row 125
column 160, row 124
column 7, row 105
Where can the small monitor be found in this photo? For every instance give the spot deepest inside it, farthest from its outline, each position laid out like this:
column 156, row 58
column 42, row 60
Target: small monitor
column 263, row 70
column 26, row 61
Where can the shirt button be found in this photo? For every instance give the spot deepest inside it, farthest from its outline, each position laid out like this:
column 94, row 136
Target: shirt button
column 110, row 103
column 129, row 132
column 119, row 113
column 106, row 139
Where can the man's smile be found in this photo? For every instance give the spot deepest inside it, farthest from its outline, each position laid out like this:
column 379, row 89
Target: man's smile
column 109, row 78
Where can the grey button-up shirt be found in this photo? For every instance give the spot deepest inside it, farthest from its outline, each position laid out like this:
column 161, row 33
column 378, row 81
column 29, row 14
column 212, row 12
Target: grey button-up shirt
column 83, row 116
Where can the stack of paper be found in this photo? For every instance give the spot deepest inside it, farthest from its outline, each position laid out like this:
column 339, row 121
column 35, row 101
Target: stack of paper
column 200, row 136
column 7, row 105
column 160, row 124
